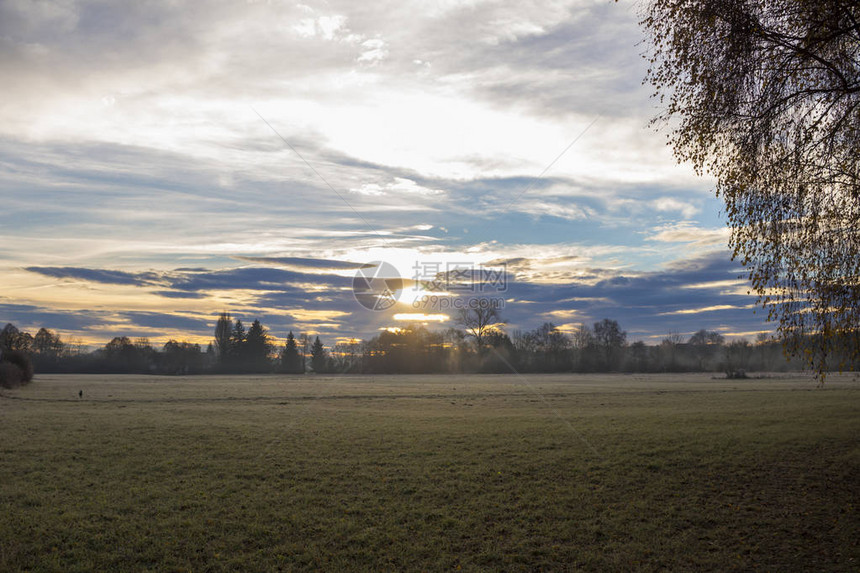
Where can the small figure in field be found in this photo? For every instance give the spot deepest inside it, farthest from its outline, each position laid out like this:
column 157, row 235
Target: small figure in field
column 80, row 393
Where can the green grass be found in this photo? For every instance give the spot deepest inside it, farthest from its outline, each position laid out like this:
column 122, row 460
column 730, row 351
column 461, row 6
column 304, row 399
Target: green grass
column 553, row 473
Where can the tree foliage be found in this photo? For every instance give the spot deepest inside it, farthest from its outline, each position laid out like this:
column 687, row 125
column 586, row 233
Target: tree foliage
column 478, row 322
column 319, row 356
column 223, row 332
column 765, row 96
column 291, row 361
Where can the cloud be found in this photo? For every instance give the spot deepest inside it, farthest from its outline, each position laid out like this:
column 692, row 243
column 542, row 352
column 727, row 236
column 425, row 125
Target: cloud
column 131, row 157
column 686, row 232
column 670, row 204
column 99, row 275
column 304, row 263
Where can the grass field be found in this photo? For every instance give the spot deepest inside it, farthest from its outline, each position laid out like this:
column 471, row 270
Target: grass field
column 553, row 473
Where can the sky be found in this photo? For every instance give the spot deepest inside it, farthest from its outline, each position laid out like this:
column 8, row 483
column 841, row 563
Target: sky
column 164, row 161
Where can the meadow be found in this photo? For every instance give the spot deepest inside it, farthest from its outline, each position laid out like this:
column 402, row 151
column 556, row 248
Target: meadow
column 430, row 473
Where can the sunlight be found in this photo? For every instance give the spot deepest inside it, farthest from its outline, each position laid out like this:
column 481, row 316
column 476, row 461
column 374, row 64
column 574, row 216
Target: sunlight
column 421, row 317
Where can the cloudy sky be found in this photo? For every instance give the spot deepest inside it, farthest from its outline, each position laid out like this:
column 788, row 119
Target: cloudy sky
column 163, row 161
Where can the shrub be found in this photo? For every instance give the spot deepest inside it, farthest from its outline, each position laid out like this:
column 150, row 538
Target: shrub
column 10, row 375
column 15, row 369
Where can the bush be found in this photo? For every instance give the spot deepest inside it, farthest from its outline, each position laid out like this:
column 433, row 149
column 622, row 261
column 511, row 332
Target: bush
column 15, row 369
column 10, row 375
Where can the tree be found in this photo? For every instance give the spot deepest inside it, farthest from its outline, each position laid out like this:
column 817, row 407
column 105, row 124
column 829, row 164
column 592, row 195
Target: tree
column 669, row 351
column 319, row 356
column 15, row 368
column 291, row 361
column 609, row 339
column 478, row 322
column 122, row 355
column 499, row 360
column 223, row 332
column 13, row 339
column 639, row 356
column 705, row 344
column 704, row 337
column 738, row 354
column 304, row 344
column 257, row 348
column 47, row 344
column 765, row 96
column 236, row 355
column 180, row 357
column 583, row 343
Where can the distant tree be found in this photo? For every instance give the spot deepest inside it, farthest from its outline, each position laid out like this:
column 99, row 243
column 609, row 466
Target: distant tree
column 704, row 337
column 291, row 361
column 257, row 348
column 47, row 344
column 583, row 347
column 48, row 351
column 15, row 368
column 609, row 340
column 503, row 353
column 13, row 339
column 211, row 358
column 304, row 344
column 764, row 95
column 146, row 354
column 346, row 356
column 705, row 344
column 411, row 349
column 180, row 358
column 319, row 356
column 223, row 335
column 121, row 355
column 457, row 350
column 477, row 322
column 738, row 353
column 639, row 356
column 669, row 351
column 237, row 355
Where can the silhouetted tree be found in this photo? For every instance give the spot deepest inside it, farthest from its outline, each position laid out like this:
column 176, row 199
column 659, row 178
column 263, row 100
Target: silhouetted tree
column 223, row 335
column 764, row 95
column 478, row 321
column 180, row 358
column 346, row 356
column 237, row 355
column 583, row 349
column 13, row 339
column 738, row 354
column 639, row 356
column 669, row 351
column 47, row 350
column 257, row 348
column 291, row 360
column 319, row 356
column 304, row 343
column 705, row 344
column 503, row 355
column 609, row 340
column 15, row 368
column 121, row 355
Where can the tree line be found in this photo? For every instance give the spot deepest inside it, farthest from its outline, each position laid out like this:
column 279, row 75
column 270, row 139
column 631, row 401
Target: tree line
column 480, row 344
